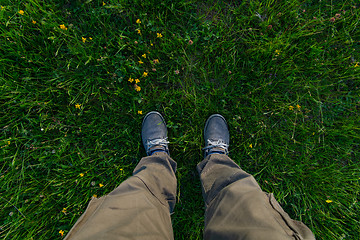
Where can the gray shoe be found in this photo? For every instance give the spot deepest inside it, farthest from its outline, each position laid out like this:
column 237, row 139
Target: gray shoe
column 154, row 133
column 216, row 135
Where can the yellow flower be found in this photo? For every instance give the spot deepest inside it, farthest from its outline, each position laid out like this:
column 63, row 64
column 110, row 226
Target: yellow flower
column 81, row 174
column 137, row 80
column 138, row 31
column 121, row 169
column 151, row 44
column 159, row 35
column 291, row 108
column 61, row 232
column 94, row 196
column 145, row 74
column 21, row 12
column 77, row 106
column 101, row 185
column 83, row 39
column 33, row 21
column 64, row 210
column 137, row 88
column 298, row 106
column 144, row 55
column 104, row 4
column 277, row 52
column 138, row 21
column 356, row 65
column 250, row 146
column 8, row 142
column 140, row 112
column 156, row 61
column 2, row 8
column 141, row 62
column 329, row 201
column 131, row 80
column 90, row 38
column 62, row 26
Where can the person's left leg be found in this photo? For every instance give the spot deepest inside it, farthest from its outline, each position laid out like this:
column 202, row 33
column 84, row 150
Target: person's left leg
column 140, row 207
column 236, row 207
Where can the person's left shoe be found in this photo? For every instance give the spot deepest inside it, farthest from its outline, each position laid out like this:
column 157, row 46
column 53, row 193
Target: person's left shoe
column 154, row 133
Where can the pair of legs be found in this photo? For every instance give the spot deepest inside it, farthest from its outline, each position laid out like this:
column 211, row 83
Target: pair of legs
column 236, row 207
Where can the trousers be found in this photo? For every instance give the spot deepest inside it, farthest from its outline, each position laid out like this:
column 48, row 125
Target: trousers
column 140, row 207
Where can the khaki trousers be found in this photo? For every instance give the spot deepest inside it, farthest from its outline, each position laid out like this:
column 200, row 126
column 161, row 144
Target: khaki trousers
column 236, row 207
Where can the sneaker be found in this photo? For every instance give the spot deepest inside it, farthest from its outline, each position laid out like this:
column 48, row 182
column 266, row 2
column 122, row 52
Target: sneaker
column 216, row 135
column 154, row 133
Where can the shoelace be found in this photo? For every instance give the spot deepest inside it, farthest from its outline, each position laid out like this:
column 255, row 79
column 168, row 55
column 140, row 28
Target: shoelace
column 219, row 143
column 156, row 142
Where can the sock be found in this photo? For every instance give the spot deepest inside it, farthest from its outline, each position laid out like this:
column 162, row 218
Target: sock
column 157, row 150
column 218, row 152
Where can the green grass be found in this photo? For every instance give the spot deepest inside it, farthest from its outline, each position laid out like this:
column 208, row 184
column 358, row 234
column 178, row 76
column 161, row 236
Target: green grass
column 285, row 74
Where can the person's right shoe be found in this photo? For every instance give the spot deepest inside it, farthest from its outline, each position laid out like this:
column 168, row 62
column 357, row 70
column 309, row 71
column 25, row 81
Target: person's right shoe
column 216, row 135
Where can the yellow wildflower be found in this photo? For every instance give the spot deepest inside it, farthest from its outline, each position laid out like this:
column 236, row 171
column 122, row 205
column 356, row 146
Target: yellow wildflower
column 137, row 88
column 145, row 74
column 121, row 169
column 83, row 39
column 81, row 174
column 33, row 21
column 101, row 185
column 329, row 201
column 21, row 12
column 156, row 61
column 356, row 65
column 250, row 146
column 8, row 142
column 144, row 55
column 298, row 106
column 159, row 35
column 151, row 44
column 138, row 31
column 137, row 80
column 138, row 21
column 2, row 8
column 104, row 4
column 131, row 80
column 140, row 112
column 90, row 38
column 64, row 210
column 62, row 26
column 61, row 232
column 291, row 108
column 94, row 196
column 141, row 62
column 77, row 106
column 277, row 52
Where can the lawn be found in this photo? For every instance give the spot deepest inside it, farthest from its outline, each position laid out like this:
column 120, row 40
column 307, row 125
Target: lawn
column 77, row 77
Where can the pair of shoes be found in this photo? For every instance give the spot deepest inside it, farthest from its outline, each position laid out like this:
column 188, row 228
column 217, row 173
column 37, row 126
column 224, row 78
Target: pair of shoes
column 154, row 134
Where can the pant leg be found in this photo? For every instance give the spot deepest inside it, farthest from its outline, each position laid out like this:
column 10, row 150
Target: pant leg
column 237, row 208
column 138, row 209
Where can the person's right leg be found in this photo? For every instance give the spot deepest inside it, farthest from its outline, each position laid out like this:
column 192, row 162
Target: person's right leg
column 236, row 207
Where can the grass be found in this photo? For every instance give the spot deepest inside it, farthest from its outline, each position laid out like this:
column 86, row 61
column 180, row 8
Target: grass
column 285, row 74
